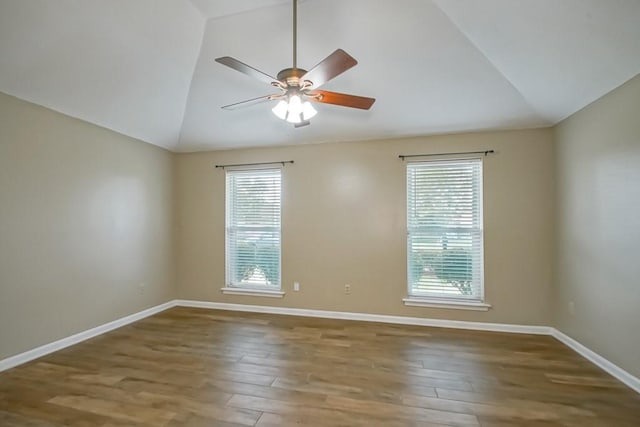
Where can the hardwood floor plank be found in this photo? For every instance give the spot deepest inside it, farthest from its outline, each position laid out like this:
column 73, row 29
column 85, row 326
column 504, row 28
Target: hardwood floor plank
column 198, row 421
column 387, row 410
column 8, row 419
column 117, row 410
column 584, row 380
column 276, row 393
column 44, row 412
column 337, row 419
column 212, row 411
column 287, row 413
column 515, row 410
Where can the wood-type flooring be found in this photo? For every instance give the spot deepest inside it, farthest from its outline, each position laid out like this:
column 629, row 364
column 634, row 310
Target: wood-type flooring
column 199, row 367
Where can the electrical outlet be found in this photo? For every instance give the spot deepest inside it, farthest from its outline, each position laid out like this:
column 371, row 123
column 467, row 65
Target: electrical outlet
column 296, row 286
column 572, row 308
column 141, row 288
column 347, row 289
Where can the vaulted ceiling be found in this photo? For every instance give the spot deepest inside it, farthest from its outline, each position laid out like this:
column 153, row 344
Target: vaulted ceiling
column 146, row 68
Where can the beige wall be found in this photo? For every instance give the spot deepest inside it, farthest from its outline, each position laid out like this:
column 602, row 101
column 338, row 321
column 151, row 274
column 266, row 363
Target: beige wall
column 598, row 226
column 85, row 218
column 344, row 222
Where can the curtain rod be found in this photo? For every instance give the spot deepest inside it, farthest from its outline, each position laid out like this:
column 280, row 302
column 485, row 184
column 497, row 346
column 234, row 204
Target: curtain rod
column 486, row 152
column 282, row 162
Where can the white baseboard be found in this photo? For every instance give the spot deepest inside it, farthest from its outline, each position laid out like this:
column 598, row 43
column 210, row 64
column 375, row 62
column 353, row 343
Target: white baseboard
column 43, row 350
column 609, row 367
column 365, row 317
column 614, row 370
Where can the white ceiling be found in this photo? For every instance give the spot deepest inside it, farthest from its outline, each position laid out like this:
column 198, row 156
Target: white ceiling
column 146, row 68
column 218, row 8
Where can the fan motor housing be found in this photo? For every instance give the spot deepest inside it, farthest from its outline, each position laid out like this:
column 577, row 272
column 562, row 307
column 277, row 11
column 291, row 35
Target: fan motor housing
column 291, row 76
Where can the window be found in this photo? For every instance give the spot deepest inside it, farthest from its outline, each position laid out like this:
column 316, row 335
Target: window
column 444, row 231
column 253, row 229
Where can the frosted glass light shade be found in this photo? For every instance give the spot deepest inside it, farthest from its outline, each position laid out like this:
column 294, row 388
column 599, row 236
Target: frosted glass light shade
column 281, row 109
column 308, row 111
column 295, row 105
column 295, row 109
column 294, row 118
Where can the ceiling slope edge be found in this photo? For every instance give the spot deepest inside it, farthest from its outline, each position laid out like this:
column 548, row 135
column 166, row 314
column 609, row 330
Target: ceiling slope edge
column 539, row 114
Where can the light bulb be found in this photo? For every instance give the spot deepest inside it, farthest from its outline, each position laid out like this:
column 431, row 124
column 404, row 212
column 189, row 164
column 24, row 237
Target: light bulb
column 308, row 111
column 295, row 105
column 295, row 109
column 280, row 109
column 294, row 118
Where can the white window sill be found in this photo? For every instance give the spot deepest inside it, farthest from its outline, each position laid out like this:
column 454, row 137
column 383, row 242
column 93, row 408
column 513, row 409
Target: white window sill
column 269, row 293
column 453, row 304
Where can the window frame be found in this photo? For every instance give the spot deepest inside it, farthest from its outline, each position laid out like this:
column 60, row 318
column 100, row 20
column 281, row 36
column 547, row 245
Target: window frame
column 435, row 300
column 247, row 288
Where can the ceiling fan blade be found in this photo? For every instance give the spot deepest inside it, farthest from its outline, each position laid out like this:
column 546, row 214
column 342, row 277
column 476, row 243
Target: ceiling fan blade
column 247, row 69
column 342, row 99
column 333, row 65
column 250, row 102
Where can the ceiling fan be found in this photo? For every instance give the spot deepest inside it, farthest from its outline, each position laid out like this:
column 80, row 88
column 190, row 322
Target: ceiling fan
column 299, row 86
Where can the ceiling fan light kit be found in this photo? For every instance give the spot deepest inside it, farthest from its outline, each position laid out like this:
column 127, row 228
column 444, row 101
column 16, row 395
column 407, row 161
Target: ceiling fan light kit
column 300, row 87
column 294, row 110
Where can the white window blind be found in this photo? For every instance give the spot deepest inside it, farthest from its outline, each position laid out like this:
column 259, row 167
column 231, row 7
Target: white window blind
column 253, row 228
column 444, row 229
